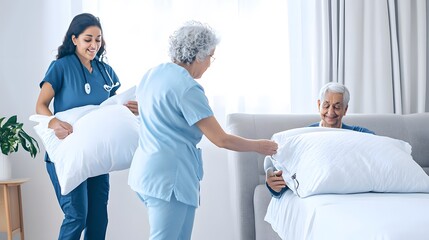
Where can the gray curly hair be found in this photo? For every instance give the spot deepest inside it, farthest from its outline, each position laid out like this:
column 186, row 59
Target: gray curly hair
column 193, row 41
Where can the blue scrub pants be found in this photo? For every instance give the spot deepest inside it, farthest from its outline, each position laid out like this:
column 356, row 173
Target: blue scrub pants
column 169, row 220
column 85, row 208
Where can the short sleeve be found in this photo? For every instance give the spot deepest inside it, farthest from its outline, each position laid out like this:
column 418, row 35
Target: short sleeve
column 195, row 105
column 54, row 76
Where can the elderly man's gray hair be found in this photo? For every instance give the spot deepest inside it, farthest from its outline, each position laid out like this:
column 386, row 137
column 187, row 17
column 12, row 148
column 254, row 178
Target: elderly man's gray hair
column 193, row 41
column 335, row 87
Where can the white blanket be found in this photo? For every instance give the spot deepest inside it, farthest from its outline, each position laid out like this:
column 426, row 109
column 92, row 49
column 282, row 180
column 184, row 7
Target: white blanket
column 386, row 216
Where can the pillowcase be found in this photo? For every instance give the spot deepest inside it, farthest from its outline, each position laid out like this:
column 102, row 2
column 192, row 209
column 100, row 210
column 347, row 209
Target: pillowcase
column 316, row 161
column 129, row 94
column 104, row 139
column 270, row 162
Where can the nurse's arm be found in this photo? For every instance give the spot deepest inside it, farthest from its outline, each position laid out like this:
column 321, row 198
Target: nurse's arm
column 47, row 93
column 214, row 132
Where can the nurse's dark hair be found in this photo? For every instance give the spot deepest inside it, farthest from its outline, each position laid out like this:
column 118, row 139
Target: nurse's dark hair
column 77, row 26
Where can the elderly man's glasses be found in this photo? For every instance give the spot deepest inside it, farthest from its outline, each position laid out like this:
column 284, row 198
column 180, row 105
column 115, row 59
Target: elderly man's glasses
column 212, row 59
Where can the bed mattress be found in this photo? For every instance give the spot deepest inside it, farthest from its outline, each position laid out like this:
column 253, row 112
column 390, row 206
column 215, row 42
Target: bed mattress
column 387, row 216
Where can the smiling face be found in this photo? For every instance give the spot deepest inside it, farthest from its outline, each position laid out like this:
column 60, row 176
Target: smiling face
column 332, row 110
column 87, row 44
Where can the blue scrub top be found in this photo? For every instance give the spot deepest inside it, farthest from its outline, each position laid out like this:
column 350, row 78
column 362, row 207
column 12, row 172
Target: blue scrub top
column 68, row 81
column 167, row 158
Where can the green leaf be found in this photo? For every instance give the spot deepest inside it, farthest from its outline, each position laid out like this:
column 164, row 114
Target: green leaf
column 12, row 135
column 10, row 122
column 28, row 143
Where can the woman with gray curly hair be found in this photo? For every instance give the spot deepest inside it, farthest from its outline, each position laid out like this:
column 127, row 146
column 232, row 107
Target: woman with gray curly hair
column 174, row 111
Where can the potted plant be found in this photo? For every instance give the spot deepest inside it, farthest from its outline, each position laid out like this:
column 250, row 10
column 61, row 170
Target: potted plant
column 12, row 135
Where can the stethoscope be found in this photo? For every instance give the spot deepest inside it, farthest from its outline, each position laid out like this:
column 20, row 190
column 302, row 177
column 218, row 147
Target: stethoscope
column 107, row 87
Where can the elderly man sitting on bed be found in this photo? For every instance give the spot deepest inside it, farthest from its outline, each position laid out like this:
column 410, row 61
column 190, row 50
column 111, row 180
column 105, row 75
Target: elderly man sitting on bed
column 332, row 103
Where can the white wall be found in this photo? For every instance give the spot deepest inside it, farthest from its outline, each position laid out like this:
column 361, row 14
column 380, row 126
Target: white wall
column 30, row 33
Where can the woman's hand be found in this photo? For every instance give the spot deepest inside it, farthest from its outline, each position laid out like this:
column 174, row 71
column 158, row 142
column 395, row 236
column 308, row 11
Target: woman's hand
column 61, row 129
column 133, row 106
column 276, row 181
column 267, row 147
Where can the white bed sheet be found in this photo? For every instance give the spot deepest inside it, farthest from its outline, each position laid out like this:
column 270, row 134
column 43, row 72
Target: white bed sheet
column 387, row 216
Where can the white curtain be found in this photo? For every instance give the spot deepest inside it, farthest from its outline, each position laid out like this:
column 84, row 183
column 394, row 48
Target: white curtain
column 378, row 49
column 251, row 70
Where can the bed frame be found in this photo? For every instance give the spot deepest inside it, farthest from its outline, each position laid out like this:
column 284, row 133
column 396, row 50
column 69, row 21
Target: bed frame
column 250, row 197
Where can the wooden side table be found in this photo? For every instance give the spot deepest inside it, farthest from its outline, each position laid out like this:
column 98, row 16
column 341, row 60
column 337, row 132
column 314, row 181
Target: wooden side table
column 11, row 220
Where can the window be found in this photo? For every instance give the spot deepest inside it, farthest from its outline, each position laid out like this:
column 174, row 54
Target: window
column 251, row 71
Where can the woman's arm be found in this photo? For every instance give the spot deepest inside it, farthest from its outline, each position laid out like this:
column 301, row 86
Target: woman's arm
column 47, row 93
column 214, row 132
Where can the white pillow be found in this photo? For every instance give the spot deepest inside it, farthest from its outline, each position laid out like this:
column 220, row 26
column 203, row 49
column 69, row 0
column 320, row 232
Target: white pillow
column 104, row 139
column 122, row 98
column 280, row 138
column 345, row 161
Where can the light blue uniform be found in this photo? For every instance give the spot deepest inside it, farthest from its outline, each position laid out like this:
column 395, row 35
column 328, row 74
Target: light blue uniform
column 167, row 163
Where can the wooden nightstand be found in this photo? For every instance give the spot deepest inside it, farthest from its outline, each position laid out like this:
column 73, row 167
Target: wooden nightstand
column 11, row 220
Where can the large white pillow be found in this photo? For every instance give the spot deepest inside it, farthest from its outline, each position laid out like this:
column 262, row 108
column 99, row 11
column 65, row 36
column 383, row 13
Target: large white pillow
column 47, row 135
column 316, row 161
column 122, row 98
column 280, row 138
column 104, row 139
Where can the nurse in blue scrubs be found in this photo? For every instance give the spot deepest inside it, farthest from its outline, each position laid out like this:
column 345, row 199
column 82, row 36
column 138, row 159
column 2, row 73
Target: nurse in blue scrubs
column 79, row 77
column 167, row 167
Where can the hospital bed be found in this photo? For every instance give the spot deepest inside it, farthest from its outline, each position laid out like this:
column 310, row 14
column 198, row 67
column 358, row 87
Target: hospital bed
column 324, row 216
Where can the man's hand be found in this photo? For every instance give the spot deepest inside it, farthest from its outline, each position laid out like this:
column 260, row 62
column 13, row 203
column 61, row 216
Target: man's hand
column 276, row 181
